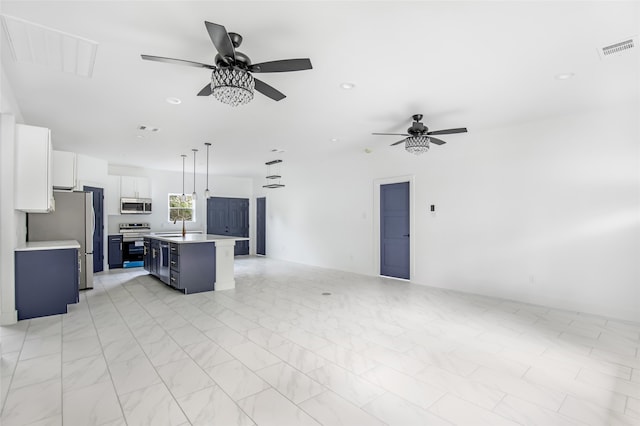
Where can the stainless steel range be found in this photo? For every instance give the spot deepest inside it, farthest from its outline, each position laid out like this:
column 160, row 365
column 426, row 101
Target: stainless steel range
column 133, row 243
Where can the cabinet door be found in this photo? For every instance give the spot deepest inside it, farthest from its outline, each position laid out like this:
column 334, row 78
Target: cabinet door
column 143, row 189
column 113, row 195
column 134, row 187
column 128, row 186
column 64, row 170
column 33, row 177
column 115, row 251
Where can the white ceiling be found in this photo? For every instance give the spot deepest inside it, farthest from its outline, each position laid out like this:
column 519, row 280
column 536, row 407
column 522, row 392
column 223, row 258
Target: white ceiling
column 475, row 64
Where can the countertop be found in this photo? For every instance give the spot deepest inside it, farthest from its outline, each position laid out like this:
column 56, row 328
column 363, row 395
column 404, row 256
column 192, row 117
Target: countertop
column 48, row 245
column 197, row 238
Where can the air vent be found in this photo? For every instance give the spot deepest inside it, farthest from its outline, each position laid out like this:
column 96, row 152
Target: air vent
column 617, row 48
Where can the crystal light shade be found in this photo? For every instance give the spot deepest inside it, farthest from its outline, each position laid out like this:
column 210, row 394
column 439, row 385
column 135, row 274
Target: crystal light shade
column 417, row 144
column 232, row 86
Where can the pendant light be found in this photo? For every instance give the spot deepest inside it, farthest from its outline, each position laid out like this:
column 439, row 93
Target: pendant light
column 207, row 194
column 183, row 197
column 194, row 196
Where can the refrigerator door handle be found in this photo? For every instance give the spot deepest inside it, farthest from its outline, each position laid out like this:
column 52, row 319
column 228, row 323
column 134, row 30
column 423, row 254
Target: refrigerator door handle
column 93, row 222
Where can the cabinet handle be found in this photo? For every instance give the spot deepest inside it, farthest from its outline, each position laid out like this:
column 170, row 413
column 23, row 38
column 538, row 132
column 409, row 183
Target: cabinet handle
column 173, row 279
column 173, row 263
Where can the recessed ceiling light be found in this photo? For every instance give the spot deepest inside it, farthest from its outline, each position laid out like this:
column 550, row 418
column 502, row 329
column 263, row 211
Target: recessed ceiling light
column 564, row 76
column 347, row 86
column 334, row 139
column 174, row 101
column 140, row 136
column 368, row 150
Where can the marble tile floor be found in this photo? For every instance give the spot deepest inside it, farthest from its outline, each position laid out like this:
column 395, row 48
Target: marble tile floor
column 276, row 351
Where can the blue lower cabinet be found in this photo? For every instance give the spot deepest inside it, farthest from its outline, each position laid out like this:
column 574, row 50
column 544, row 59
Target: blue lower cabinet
column 190, row 267
column 46, row 282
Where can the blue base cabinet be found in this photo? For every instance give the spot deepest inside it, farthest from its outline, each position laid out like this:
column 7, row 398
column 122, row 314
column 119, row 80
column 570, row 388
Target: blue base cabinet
column 46, row 282
column 115, row 251
column 193, row 267
column 189, row 267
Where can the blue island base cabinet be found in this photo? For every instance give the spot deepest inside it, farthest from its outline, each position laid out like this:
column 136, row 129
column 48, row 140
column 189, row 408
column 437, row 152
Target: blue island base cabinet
column 46, row 282
column 187, row 267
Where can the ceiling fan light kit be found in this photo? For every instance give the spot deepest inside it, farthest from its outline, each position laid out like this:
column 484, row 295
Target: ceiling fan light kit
column 231, row 86
column 231, row 80
column 417, row 144
column 418, row 137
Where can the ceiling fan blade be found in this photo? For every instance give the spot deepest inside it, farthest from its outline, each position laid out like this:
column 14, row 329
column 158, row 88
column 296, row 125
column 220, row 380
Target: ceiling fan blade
column 436, row 141
column 448, row 131
column 283, row 65
column 267, row 90
column 177, row 61
column 221, row 40
column 206, row 90
column 397, row 143
column 392, row 134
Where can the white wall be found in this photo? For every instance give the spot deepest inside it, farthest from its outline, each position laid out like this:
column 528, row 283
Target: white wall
column 12, row 222
column 545, row 212
column 165, row 182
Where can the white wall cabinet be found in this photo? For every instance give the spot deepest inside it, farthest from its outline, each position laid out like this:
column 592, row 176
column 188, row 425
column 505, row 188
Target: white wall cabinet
column 134, row 187
column 33, row 170
column 64, row 170
column 112, row 195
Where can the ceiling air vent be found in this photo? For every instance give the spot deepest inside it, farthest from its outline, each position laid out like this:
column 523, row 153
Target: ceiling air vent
column 617, row 48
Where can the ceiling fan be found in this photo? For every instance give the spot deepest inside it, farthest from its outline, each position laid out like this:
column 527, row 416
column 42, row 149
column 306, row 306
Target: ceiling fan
column 232, row 81
column 418, row 136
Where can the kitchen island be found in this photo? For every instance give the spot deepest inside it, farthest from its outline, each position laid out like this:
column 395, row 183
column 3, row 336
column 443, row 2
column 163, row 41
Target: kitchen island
column 192, row 263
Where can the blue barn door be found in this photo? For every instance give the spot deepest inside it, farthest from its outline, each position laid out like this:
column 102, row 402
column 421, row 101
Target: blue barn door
column 229, row 216
column 261, row 226
column 394, row 230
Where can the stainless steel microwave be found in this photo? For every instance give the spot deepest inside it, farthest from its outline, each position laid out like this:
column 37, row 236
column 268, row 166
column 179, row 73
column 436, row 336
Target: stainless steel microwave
column 135, row 205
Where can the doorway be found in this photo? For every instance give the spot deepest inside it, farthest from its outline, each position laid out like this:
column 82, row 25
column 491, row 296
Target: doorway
column 98, row 233
column 261, row 226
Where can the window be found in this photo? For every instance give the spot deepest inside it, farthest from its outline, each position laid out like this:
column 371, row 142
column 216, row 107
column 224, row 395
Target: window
column 179, row 210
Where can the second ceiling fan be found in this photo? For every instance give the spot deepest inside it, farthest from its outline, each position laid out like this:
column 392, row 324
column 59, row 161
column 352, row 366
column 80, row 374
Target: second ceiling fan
column 418, row 136
column 232, row 81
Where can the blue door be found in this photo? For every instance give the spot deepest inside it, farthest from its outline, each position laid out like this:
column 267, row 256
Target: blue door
column 261, row 228
column 229, row 216
column 98, row 234
column 394, row 230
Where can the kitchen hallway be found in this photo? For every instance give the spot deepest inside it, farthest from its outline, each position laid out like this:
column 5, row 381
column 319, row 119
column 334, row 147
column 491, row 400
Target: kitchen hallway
column 299, row 345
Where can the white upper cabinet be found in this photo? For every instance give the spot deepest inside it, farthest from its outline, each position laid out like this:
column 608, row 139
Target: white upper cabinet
column 112, row 194
column 64, row 170
column 134, row 187
column 33, row 170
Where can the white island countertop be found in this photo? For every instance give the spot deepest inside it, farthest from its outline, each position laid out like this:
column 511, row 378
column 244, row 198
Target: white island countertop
column 197, row 238
column 48, row 245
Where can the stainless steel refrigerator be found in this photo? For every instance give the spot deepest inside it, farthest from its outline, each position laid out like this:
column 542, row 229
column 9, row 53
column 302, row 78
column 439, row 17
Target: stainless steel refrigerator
column 73, row 219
